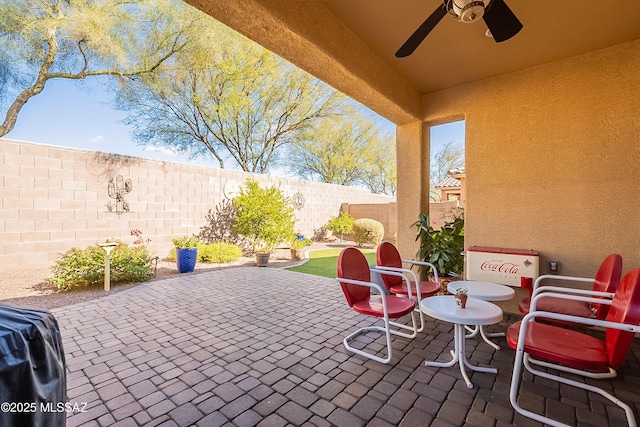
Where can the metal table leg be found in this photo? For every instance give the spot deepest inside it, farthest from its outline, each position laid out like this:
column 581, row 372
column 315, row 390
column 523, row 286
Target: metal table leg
column 479, row 329
column 459, row 356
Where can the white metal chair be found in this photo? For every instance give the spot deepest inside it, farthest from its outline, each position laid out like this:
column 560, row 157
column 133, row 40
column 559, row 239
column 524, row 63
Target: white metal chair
column 388, row 259
column 354, row 277
column 557, row 348
column 607, row 280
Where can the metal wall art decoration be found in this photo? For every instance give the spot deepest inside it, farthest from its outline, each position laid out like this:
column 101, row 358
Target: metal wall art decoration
column 298, row 201
column 117, row 188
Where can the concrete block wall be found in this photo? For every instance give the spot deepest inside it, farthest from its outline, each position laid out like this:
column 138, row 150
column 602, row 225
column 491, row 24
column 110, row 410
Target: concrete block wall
column 386, row 214
column 441, row 212
column 55, row 198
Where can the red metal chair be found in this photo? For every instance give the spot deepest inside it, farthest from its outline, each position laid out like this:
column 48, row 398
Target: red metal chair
column 388, row 259
column 606, row 280
column 567, row 350
column 354, row 277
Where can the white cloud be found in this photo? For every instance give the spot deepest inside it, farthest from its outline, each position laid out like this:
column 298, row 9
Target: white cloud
column 97, row 139
column 163, row 150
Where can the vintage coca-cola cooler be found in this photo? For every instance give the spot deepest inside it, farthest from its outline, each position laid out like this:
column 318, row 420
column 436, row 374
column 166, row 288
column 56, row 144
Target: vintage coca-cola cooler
column 513, row 267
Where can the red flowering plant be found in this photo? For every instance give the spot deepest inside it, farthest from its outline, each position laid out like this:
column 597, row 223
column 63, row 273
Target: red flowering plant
column 139, row 239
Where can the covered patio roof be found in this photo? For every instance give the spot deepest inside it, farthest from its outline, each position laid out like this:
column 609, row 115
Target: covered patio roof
column 351, row 44
column 253, row 346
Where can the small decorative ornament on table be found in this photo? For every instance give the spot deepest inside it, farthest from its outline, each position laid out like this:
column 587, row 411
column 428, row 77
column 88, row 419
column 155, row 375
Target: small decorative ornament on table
column 461, row 297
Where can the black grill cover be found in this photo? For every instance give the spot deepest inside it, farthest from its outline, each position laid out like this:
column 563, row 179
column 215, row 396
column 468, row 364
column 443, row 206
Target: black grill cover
column 33, row 382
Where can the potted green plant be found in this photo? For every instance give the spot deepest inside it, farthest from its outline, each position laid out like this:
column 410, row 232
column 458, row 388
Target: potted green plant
column 342, row 224
column 461, row 297
column 296, row 247
column 263, row 253
column 443, row 248
column 264, row 217
column 186, row 253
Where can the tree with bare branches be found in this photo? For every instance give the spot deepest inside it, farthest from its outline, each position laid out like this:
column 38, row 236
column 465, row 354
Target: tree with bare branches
column 348, row 150
column 227, row 97
column 42, row 40
column 449, row 156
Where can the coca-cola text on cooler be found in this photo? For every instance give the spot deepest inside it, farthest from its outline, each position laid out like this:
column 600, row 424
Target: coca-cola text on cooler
column 501, row 267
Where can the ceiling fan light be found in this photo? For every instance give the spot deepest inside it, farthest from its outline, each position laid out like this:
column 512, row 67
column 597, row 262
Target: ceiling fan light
column 468, row 10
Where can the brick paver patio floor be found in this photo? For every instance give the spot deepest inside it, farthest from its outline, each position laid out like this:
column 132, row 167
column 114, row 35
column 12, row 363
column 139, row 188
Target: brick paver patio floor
column 263, row 346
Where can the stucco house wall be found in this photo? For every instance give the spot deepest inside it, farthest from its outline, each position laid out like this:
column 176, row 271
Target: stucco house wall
column 55, row 198
column 553, row 158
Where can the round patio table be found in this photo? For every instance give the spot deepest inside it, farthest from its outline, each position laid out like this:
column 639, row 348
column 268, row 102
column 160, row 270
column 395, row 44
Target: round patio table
column 477, row 312
column 488, row 292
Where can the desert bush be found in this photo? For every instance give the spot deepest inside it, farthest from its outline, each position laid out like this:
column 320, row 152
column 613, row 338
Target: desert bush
column 320, row 234
column 219, row 253
column 342, row 224
column 298, row 244
column 219, row 226
column 367, row 231
column 130, row 264
column 78, row 268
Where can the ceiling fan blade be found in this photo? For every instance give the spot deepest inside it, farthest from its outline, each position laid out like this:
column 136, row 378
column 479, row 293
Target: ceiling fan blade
column 501, row 21
column 419, row 35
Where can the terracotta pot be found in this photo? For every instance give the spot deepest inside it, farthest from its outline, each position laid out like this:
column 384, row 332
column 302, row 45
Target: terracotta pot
column 262, row 259
column 461, row 300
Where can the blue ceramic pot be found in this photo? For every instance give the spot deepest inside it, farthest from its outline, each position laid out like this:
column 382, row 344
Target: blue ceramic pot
column 186, row 259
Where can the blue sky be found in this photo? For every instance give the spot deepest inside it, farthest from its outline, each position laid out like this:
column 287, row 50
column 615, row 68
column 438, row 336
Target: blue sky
column 444, row 133
column 66, row 114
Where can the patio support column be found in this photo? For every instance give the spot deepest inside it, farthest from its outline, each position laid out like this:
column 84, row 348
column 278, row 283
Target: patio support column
column 413, row 182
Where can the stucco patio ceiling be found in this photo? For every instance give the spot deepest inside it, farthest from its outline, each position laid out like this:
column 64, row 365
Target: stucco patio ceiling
column 455, row 53
column 351, row 44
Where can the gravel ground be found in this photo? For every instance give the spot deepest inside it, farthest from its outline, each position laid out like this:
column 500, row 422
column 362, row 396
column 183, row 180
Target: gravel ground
column 31, row 288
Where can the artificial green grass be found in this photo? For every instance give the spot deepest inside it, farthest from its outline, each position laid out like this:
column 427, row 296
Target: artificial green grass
column 323, row 262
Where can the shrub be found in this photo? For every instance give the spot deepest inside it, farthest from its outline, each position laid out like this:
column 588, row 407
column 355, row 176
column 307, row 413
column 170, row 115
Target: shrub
column 219, row 253
column 264, row 216
column 367, row 231
column 79, row 268
column 342, row 224
column 219, row 227
column 320, row 234
column 130, row 264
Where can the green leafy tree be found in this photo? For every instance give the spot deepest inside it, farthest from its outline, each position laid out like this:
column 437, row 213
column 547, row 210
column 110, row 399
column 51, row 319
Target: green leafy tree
column 450, row 156
column 348, row 150
column 379, row 171
column 63, row 39
column 331, row 152
column 264, row 216
column 227, row 97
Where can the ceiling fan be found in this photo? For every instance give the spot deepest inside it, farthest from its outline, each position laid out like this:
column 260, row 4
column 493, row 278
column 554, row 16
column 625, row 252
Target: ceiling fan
column 500, row 20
